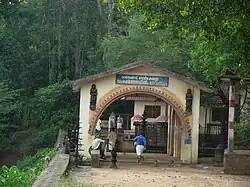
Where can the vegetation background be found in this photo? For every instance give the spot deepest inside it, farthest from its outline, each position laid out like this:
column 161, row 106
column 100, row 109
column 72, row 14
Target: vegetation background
column 46, row 43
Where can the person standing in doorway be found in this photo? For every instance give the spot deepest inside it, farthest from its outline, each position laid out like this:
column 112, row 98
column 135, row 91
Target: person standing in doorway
column 140, row 143
column 119, row 122
column 112, row 138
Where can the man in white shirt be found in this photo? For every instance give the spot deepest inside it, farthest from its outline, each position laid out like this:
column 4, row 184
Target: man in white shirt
column 112, row 138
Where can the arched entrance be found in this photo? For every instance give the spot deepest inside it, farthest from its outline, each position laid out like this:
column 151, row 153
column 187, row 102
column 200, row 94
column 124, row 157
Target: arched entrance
column 140, row 78
column 121, row 91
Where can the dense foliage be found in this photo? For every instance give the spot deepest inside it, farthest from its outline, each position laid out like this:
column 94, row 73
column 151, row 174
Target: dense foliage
column 219, row 28
column 37, row 119
column 26, row 171
column 139, row 44
column 42, row 45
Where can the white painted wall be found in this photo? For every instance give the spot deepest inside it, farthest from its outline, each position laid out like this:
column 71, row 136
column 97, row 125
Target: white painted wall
column 104, row 85
column 176, row 86
column 140, row 106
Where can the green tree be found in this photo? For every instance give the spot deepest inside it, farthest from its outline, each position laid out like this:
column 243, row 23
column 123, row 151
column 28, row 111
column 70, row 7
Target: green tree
column 220, row 30
column 162, row 47
column 42, row 45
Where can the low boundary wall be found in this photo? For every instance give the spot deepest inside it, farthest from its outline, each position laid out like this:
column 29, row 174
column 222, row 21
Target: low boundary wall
column 51, row 175
column 237, row 163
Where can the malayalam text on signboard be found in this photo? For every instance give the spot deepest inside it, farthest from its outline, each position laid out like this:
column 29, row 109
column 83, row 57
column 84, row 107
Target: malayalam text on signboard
column 142, row 80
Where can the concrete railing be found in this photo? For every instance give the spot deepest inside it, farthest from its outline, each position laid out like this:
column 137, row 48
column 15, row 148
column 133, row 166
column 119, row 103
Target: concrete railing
column 51, row 175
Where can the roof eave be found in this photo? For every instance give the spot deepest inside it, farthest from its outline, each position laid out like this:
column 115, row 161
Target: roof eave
column 206, row 89
column 95, row 77
column 76, row 84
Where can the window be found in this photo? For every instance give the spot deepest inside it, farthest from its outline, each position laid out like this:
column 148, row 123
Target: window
column 152, row 111
column 216, row 113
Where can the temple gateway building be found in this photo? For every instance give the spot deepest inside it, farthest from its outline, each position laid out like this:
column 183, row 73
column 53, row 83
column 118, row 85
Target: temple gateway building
column 168, row 104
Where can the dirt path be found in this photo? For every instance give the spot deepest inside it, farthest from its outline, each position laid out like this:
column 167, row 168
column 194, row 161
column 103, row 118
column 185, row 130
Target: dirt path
column 149, row 176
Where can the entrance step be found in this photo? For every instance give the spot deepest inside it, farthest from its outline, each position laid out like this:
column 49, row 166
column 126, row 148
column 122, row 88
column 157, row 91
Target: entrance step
column 148, row 158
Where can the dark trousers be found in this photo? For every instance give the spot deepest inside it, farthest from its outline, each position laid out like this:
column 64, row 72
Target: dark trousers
column 100, row 147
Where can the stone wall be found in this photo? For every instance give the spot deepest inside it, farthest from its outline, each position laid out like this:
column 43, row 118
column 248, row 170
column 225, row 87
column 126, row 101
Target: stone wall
column 51, row 175
column 237, row 163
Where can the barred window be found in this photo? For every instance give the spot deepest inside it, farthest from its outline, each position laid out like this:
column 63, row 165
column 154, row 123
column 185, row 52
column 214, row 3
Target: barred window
column 152, row 111
column 216, row 113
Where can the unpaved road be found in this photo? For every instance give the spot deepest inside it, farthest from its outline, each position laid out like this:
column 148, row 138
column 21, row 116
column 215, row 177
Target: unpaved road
column 134, row 175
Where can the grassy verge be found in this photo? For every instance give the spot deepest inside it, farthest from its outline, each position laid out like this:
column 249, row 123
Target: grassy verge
column 26, row 171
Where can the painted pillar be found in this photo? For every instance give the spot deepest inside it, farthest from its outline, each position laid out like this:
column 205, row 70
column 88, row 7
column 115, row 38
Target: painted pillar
column 190, row 134
column 166, row 114
column 83, row 123
column 176, row 137
column 84, row 114
column 195, row 124
column 186, row 147
column 178, row 154
column 169, row 129
column 81, row 127
column 173, row 114
column 231, row 116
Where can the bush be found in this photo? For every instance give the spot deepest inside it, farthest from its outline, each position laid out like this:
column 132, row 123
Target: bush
column 242, row 131
column 12, row 177
column 242, row 135
column 26, row 171
column 36, row 160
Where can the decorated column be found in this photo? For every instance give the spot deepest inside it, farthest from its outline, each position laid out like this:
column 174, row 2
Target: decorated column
column 186, row 148
column 191, row 131
column 176, row 137
column 171, row 134
column 231, row 115
column 169, row 128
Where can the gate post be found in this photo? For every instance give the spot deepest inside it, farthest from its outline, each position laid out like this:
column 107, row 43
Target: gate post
column 195, row 125
column 170, row 131
column 143, row 124
column 231, row 115
column 177, row 140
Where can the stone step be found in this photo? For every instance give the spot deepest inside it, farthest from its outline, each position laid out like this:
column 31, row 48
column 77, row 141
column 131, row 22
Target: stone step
column 176, row 162
column 147, row 159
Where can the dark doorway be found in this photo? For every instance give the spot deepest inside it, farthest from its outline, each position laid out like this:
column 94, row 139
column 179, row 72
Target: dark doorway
column 124, row 108
column 156, row 136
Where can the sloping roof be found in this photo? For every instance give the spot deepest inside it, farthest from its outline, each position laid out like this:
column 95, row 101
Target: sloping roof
column 77, row 83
